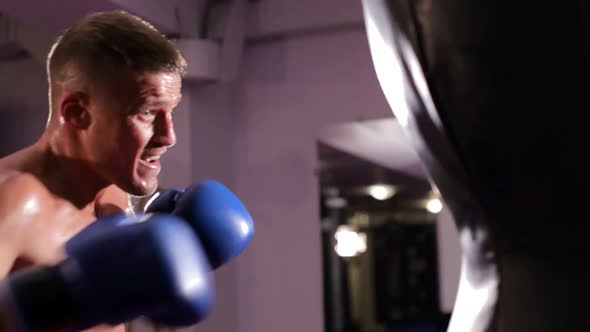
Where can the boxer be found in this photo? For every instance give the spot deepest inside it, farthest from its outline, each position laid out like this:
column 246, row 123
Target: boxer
column 114, row 81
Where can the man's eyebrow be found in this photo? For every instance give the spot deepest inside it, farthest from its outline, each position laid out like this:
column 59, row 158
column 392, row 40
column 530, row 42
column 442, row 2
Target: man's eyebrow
column 157, row 102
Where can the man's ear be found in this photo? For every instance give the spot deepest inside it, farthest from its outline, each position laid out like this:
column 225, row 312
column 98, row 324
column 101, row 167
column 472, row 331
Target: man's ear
column 74, row 110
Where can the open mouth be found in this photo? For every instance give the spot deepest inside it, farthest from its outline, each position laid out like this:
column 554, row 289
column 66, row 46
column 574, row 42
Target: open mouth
column 150, row 160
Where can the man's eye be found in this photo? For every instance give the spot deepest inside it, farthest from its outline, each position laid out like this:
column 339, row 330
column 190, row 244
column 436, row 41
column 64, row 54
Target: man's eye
column 147, row 114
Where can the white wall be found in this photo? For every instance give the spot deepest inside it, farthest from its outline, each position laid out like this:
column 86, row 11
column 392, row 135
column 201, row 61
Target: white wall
column 289, row 90
column 23, row 84
column 23, row 104
column 213, row 136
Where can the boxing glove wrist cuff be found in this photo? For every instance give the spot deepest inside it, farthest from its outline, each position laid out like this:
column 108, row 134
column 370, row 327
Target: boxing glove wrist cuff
column 10, row 318
column 42, row 300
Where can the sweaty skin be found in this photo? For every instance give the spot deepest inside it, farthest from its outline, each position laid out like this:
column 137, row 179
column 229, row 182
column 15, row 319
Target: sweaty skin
column 99, row 146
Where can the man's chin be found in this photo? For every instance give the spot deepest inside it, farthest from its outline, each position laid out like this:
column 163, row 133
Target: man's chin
column 143, row 188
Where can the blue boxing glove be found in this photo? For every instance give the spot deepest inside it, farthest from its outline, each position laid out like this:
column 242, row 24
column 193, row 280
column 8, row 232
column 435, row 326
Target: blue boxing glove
column 141, row 268
column 100, row 226
column 217, row 216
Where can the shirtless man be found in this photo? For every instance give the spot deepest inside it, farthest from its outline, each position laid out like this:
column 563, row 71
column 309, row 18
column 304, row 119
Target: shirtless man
column 113, row 83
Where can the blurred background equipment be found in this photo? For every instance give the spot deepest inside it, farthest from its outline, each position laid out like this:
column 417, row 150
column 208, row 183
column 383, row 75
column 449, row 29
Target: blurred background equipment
column 379, row 228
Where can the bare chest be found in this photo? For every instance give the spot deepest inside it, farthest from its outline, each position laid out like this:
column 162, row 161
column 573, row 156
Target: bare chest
column 42, row 239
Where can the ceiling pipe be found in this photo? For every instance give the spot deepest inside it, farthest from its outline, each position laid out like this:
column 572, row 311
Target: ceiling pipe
column 217, row 60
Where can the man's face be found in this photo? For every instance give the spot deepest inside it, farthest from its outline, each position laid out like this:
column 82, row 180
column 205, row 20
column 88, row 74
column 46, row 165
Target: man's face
column 132, row 127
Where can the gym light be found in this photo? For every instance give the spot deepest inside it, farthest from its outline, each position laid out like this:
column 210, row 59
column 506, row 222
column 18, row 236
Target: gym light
column 349, row 242
column 434, row 205
column 381, row 191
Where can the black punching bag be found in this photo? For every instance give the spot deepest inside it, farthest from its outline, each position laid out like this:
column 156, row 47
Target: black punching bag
column 495, row 97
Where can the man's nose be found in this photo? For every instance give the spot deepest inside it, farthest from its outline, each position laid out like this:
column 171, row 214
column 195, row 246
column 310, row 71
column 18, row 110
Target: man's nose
column 164, row 130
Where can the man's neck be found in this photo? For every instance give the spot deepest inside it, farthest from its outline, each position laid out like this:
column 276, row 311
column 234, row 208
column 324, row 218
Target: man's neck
column 68, row 176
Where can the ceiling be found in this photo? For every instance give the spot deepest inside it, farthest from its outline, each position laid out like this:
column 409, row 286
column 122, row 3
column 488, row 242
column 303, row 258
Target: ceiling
column 355, row 155
column 380, row 141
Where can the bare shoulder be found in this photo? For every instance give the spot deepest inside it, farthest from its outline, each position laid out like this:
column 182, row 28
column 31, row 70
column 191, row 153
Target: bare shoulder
column 13, row 170
column 7, row 175
column 19, row 184
column 16, row 161
column 16, row 185
column 21, row 196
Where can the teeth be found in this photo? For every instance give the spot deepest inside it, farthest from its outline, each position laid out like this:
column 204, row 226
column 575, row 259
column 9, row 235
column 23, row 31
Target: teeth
column 150, row 159
column 150, row 156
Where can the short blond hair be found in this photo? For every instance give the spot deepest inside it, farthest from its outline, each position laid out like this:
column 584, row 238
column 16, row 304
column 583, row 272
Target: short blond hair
column 102, row 44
